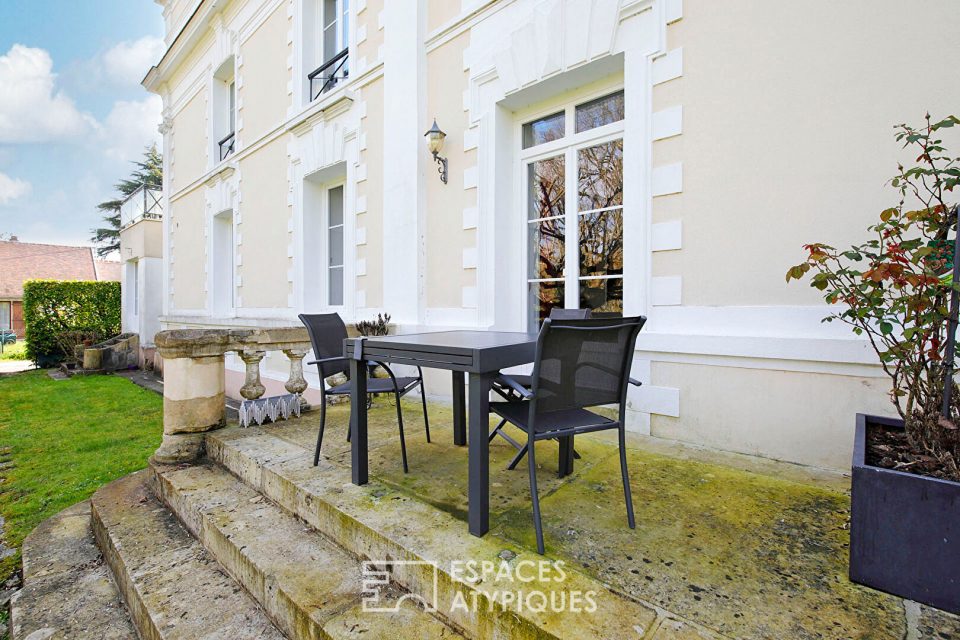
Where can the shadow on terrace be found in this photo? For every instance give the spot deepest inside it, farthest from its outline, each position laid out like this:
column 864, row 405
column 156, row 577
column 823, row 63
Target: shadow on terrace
column 745, row 547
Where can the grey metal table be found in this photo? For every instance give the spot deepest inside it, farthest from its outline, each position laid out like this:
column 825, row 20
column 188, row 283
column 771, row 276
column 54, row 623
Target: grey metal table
column 478, row 354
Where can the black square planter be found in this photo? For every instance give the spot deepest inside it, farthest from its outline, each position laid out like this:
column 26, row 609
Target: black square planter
column 904, row 529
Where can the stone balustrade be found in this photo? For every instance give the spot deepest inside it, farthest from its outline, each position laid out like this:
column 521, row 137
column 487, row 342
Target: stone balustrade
column 194, row 391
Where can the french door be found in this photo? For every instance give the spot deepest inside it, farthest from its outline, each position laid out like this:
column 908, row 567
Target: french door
column 573, row 183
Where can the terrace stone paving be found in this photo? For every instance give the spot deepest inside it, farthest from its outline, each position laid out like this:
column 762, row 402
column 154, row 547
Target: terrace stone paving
column 746, row 547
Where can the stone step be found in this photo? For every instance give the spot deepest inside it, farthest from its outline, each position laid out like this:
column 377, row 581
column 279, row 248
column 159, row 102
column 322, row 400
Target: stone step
column 68, row 591
column 424, row 547
column 310, row 587
column 172, row 587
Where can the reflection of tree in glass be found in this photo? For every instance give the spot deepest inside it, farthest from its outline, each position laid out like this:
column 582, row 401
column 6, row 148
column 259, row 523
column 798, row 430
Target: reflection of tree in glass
column 601, row 243
column 547, row 188
column 549, row 193
column 600, row 112
column 551, row 237
column 550, row 295
column 600, row 183
column 600, row 186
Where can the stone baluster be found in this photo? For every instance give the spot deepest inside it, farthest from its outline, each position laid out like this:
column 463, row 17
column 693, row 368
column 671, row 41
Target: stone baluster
column 296, row 383
column 252, row 387
column 194, row 390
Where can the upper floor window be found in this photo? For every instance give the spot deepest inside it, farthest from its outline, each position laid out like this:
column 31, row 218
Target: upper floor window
column 326, row 44
column 225, row 109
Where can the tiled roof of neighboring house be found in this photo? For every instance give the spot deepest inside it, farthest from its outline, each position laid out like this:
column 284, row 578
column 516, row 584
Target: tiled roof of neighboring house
column 108, row 270
column 20, row 261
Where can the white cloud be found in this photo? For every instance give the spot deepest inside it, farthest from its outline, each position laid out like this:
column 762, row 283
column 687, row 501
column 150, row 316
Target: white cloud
column 30, row 110
column 128, row 62
column 12, row 188
column 129, row 127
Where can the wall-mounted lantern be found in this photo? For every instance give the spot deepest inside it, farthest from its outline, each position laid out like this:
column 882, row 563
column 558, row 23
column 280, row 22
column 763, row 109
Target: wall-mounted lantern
column 435, row 143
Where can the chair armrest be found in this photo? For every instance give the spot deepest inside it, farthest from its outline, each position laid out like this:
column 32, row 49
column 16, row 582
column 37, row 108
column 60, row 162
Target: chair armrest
column 389, row 371
column 507, row 381
column 326, row 360
column 593, row 365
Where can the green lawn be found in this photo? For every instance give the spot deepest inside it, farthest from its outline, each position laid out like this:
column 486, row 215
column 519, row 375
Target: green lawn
column 16, row 351
column 62, row 439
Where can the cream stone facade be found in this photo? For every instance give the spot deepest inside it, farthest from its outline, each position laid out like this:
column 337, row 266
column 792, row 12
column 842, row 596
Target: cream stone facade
column 745, row 129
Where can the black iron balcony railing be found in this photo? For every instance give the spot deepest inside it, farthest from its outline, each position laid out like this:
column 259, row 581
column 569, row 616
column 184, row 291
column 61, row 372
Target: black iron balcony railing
column 226, row 145
column 327, row 75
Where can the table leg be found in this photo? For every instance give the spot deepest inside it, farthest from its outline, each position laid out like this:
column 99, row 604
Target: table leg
column 565, row 465
column 479, row 453
column 459, row 410
column 358, row 422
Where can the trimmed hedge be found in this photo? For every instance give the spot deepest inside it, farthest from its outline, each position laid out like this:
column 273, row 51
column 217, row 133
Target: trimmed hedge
column 60, row 314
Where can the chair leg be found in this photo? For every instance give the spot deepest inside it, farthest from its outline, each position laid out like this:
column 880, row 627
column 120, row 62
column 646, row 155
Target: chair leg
column 403, row 445
column 517, row 458
column 323, row 421
column 532, row 464
column 626, row 478
column 496, row 430
column 426, row 420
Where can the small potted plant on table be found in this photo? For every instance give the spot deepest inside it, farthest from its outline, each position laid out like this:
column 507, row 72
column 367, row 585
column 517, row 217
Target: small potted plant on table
column 899, row 290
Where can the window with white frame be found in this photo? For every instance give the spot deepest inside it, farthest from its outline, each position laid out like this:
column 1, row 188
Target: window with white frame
column 324, row 251
column 572, row 163
column 225, row 110
column 5, row 315
column 326, row 41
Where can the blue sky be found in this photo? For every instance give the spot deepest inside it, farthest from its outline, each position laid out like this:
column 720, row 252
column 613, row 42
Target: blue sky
column 72, row 112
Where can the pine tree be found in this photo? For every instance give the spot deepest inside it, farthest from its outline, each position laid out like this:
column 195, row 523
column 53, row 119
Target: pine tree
column 148, row 172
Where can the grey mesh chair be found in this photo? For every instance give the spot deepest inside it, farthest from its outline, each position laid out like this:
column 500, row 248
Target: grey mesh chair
column 579, row 364
column 557, row 313
column 327, row 333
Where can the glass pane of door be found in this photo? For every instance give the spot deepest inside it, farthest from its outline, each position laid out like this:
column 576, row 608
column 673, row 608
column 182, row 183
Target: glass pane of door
column 600, row 227
column 547, row 248
column 551, row 127
column 601, row 243
column 546, row 189
column 335, row 246
column 599, row 112
column 542, row 297
column 600, row 176
column 603, row 295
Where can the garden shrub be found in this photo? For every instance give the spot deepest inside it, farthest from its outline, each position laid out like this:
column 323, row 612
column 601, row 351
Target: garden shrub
column 56, row 312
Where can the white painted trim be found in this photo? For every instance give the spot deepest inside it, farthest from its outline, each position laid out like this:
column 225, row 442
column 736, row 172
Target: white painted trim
column 470, row 217
column 666, row 236
column 668, row 66
column 664, row 401
column 469, row 260
column 667, row 179
column 672, row 11
column 667, row 122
